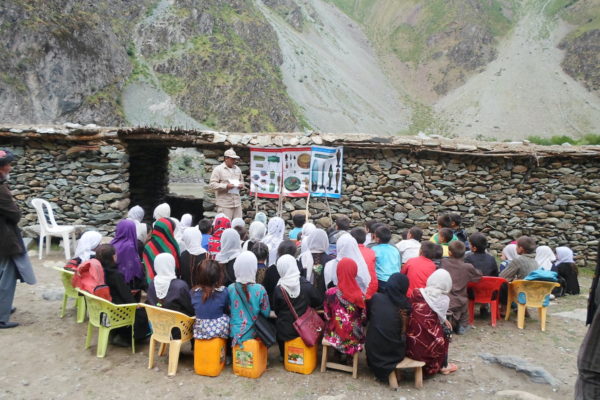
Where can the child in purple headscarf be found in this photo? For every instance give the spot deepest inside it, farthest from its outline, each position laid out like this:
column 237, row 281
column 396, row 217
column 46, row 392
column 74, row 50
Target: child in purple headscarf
column 128, row 259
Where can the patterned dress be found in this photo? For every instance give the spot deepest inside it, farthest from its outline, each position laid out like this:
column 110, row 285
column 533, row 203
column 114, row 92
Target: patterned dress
column 212, row 318
column 245, row 312
column 425, row 339
column 344, row 323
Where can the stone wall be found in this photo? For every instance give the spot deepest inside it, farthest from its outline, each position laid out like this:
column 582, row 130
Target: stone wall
column 556, row 202
column 87, row 185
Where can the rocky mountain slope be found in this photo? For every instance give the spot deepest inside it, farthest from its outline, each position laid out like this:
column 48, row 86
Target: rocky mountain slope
column 500, row 69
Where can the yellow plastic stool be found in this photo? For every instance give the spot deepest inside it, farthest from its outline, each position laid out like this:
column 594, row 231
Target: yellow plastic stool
column 250, row 359
column 209, row 356
column 298, row 357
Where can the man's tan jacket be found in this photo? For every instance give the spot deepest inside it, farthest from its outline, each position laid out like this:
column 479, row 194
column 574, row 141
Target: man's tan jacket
column 219, row 179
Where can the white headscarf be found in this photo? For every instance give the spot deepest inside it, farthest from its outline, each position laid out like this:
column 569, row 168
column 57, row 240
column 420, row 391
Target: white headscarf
column 162, row 211
column 164, row 265
column 307, row 229
column 256, row 233
column 192, row 240
column 544, row 256
column 436, row 292
column 289, row 275
column 245, row 267
column 186, row 222
column 348, row 247
column 564, row 255
column 317, row 242
column 231, row 246
column 136, row 214
column 238, row 222
column 275, row 231
column 261, row 217
column 86, row 245
column 510, row 252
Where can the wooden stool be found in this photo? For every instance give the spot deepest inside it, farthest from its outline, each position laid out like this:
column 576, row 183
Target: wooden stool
column 341, row 367
column 408, row 363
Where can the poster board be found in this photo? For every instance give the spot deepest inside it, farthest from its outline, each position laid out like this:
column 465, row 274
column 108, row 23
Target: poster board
column 296, row 171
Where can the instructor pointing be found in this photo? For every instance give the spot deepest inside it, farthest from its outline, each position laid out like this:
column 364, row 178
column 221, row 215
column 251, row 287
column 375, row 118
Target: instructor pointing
column 227, row 180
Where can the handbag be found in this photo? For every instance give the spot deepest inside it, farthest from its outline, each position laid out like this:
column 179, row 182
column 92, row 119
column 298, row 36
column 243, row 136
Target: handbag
column 265, row 330
column 309, row 326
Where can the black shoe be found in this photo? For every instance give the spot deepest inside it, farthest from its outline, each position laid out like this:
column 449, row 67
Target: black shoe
column 8, row 325
column 12, row 310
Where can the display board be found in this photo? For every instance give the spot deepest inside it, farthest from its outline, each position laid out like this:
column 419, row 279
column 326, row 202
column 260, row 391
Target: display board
column 296, row 171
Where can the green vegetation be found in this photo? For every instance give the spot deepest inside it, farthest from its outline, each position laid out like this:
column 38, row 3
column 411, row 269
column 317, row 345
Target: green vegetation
column 10, row 80
column 171, row 84
column 590, row 139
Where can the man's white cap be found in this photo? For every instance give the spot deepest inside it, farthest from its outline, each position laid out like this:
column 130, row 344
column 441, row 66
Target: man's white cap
column 231, row 154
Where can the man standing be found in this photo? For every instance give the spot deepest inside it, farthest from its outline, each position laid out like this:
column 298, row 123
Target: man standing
column 226, row 180
column 14, row 262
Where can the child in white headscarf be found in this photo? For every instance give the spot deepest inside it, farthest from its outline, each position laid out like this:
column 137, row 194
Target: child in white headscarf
column 544, row 256
column 275, row 232
column 136, row 214
column 256, row 233
column 86, row 245
column 509, row 253
column 166, row 290
column 162, row 211
column 193, row 254
column 347, row 247
column 231, row 247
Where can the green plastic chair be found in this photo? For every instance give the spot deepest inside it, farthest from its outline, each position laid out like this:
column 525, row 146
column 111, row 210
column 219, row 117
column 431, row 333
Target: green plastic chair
column 71, row 293
column 107, row 316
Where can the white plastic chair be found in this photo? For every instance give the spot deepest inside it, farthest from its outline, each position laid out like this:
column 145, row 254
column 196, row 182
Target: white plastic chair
column 49, row 228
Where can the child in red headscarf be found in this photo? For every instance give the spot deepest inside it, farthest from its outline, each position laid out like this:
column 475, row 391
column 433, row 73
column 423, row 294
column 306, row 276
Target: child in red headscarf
column 345, row 311
column 214, row 243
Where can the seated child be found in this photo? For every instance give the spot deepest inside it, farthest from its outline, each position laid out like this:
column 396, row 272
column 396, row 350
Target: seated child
column 461, row 234
column 387, row 256
column 481, row 260
column 443, row 222
column 298, row 220
column 205, row 227
column 461, row 273
column 369, row 228
column 418, row 269
column 261, row 251
column 210, row 301
column 410, row 247
column 520, row 267
column 438, row 254
column 445, row 236
column 369, row 256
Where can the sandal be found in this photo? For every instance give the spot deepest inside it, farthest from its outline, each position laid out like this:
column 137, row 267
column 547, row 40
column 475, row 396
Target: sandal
column 449, row 369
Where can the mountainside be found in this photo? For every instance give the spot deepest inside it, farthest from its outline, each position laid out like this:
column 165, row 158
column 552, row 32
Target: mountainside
column 501, row 69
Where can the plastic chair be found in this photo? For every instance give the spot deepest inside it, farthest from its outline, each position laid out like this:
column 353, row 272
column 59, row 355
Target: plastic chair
column 49, row 228
column 486, row 291
column 407, row 363
column 163, row 321
column 71, row 293
column 529, row 294
column 333, row 365
column 107, row 316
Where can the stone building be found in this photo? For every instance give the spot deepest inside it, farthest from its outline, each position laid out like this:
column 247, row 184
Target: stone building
column 93, row 174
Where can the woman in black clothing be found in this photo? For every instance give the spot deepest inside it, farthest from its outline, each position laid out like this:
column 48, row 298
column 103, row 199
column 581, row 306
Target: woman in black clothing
column 312, row 261
column 193, row 254
column 566, row 268
column 388, row 317
column 300, row 293
column 121, row 294
column 166, row 290
column 272, row 276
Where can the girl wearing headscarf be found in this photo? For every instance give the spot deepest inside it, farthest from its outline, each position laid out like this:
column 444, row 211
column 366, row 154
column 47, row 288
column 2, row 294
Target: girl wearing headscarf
column 300, row 293
column 121, row 294
column 256, row 233
column 246, row 299
column 388, row 315
column 275, row 231
column 261, row 217
column 84, row 250
column 219, row 225
column 345, row 310
column 231, row 247
column 166, row 290
column 128, row 258
column 186, row 222
column 425, row 337
column 509, row 253
column 566, row 268
column 162, row 211
column 238, row 222
column 307, row 229
column 136, row 214
column 161, row 241
column 313, row 259
column 347, row 247
column 544, row 256
column 193, row 254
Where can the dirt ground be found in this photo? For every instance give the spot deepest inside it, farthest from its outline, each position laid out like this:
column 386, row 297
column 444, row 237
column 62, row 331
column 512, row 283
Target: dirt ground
column 44, row 358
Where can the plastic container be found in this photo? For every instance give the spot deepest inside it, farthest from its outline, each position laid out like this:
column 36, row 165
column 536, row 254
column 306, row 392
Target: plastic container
column 209, row 356
column 250, row 359
column 300, row 358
